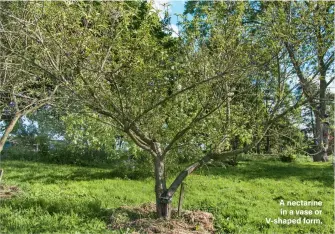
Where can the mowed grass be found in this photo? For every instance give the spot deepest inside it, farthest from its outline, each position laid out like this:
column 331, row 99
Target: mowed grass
column 70, row 199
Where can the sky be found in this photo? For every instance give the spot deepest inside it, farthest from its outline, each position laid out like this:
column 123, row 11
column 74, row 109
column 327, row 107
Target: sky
column 174, row 6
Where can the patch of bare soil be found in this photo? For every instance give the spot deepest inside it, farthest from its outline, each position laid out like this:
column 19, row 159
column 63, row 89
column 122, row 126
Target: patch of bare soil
column 8, row 191
column 142, row 219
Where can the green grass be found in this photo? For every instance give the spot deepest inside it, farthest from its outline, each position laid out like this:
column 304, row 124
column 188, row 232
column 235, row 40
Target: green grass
column 69, row 199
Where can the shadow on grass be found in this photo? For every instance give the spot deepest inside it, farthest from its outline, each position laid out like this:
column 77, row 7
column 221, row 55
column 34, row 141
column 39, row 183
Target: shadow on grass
column 322, row 173
column 53, row 173
column 21, row 171
column 86, row 207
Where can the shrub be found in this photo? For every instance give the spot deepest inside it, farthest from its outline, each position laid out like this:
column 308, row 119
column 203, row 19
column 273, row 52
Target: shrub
column 288, row 157
column 20, row 153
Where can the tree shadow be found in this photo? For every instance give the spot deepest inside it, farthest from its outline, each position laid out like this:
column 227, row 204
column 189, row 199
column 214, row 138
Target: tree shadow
column 251, row 170
column 53, row 173
column 85, row 209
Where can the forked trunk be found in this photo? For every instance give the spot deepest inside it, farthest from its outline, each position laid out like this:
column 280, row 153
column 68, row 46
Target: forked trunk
column 163, row 195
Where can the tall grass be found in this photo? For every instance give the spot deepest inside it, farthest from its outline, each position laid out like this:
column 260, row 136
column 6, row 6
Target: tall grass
column 69, row 199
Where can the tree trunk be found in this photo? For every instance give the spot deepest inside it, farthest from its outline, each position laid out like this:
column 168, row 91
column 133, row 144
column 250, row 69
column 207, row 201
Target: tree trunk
column 319, row 109
column 322, row 141
column 318, row 156
column 267, row 144
column 313, row 127
column 163, row 203
column 163, row 207
column 322, row 125
column 258, row 148
column 8, row 130
column 235, row 143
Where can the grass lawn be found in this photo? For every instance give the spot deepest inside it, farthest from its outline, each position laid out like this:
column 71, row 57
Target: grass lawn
column 69, row 199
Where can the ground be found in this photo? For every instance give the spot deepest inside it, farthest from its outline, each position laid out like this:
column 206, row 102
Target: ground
column 8, row 191
column 141, row 219
column 53, row 198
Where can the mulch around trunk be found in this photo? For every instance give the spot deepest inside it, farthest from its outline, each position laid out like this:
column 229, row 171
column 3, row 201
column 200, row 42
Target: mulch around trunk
column 8, row 191
column 142, row 219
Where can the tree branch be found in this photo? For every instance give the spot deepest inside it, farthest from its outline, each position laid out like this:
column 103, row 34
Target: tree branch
column 194, row 121
column 176, row 94
column 180, row 178
column 139, row 142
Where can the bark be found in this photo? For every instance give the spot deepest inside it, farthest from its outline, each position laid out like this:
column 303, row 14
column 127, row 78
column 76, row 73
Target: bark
column 235, row 143
column 313, row 126
column 318, row 156
column 8, row 130
column 163, row 203
column 267, row 144
column 258, row 148
column 182, row 175
column 322, row 131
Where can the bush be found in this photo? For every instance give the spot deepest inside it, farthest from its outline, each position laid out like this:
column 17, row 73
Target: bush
column 127, row 165
column 19, row 153
column 289, row 157
column 134, row 167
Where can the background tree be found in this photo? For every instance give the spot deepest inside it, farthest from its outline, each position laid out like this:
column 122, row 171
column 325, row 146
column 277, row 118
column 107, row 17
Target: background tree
column 304, row 30
column 23, row 89
column 269, row 78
